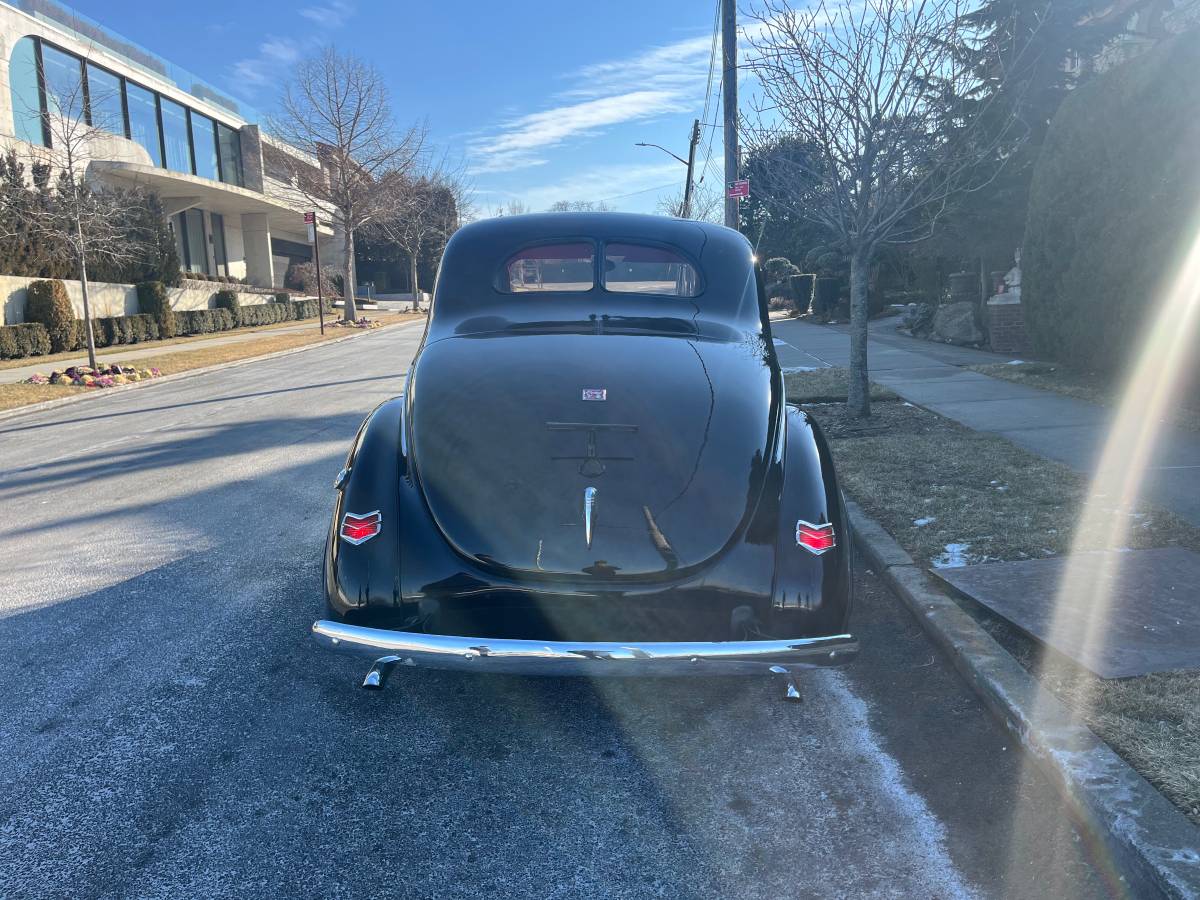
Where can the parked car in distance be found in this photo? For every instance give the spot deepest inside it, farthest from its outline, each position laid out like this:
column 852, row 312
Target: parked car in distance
column 592, row 469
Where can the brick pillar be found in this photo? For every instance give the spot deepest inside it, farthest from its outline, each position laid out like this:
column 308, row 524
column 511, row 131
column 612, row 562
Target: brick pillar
column 1006, row 324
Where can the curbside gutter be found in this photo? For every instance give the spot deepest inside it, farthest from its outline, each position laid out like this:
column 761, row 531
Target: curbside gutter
column 137, row 385
column 1153, row 848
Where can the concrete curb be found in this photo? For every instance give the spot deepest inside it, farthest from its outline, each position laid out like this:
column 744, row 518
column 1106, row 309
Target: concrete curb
column 165, row 379
column 1151, row 846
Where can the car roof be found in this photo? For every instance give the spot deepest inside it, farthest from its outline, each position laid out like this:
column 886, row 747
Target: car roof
column 689, row 234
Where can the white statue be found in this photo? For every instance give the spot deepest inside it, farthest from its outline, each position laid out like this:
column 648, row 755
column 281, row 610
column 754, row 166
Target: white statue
column 1012, row 278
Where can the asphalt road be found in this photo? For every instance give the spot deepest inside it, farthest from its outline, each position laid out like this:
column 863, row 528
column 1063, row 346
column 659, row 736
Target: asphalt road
column 168, row 729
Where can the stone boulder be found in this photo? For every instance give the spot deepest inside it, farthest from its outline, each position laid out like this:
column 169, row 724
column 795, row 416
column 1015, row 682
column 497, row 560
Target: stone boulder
column 956, row 323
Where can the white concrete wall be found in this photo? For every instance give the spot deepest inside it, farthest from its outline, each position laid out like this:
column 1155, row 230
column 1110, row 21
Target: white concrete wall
column 113, row 299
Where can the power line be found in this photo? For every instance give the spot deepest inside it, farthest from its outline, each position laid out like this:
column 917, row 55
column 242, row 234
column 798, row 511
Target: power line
column 657, row 187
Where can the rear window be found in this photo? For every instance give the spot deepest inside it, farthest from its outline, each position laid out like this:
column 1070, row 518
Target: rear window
column 552, row 267
column 642, row 269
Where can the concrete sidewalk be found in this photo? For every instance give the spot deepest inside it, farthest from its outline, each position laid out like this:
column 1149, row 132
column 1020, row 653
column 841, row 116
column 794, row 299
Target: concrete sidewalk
column 129, row 353
column 1051, row 425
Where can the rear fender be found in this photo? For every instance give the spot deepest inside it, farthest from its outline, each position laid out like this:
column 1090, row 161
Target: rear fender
column 812, row 592
column 368, row 574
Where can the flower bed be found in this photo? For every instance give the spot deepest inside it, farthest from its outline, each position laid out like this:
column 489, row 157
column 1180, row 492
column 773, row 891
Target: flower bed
column 364, row 322
column 105, row 376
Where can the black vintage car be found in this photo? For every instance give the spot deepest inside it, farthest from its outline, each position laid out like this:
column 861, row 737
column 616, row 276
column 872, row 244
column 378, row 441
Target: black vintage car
column 592, row 469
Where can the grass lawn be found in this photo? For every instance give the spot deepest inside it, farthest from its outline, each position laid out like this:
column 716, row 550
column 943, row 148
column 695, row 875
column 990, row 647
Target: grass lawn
column 179, row 360
column 826, row 386
column 944, row 491
column 1093, row 387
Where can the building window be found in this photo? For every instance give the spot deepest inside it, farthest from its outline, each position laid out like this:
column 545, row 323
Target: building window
column 26, row 94
column 192, row 241
column 106, row 108
column 143, row 120
column 218, row 239
column 45, row 80
column 204, row 145
column 175, row 136
column 63, row 74
column 230, row 145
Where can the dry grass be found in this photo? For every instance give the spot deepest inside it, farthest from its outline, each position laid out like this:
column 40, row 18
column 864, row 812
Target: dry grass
column 907, row 465
column 826, row 386
column 1093, row 387
column 14, row 395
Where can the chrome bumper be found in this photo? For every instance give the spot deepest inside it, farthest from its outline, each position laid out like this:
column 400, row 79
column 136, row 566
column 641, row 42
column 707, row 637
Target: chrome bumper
column 435, row 651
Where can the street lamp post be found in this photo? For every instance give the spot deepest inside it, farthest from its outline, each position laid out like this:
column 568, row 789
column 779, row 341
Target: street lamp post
column 690, row 162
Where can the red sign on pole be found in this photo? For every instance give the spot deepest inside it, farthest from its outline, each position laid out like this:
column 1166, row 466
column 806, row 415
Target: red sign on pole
column 310, row 218
column 738, row 189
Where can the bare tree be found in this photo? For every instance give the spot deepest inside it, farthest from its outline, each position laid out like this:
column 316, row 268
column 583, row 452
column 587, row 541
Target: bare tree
column 869, row 87
column 579, row 206
column 513, row 208
column 707, row 204
column 430, row 209
column 337, row 109
column 77, row 217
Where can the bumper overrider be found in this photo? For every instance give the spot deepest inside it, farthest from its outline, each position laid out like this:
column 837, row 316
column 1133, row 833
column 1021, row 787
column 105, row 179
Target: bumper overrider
column 593, row 658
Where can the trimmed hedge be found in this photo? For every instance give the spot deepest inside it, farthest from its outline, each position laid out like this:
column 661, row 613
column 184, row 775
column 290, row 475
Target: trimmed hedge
column 1113, row 206
column 306, row 309
column 204, row 321
column 153, row 301
column 27, row 339
column 47, row 302
column 263, row 314
column 126, row 330
column 227, row 300
column 32, row 338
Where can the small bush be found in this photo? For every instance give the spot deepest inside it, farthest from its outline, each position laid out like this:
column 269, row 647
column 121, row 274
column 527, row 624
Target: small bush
column 222, row 320
column 153, row 301
column 47, row 302
column 27, row 339
column 226, row 299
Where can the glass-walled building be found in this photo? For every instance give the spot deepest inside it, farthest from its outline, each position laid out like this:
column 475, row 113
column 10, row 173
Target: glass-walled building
column 170, row 132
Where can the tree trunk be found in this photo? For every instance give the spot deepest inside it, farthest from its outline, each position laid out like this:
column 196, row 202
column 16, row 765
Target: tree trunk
column 412, row 271
column 349, row 311
column 859, row 399
column 87, row 309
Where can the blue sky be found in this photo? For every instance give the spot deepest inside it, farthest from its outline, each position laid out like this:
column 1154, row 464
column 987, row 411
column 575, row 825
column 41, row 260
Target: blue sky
column 542, row 104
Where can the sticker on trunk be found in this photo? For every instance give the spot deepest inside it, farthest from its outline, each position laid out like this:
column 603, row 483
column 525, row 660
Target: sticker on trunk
column 595, row 393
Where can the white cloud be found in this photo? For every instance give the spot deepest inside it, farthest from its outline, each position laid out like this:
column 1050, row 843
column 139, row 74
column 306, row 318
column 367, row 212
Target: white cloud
column 604, row 183
column 521, row 142
column 263, row 69
column 659, row 81
column 329, row 15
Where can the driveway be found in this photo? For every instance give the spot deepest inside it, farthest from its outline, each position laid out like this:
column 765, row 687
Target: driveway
column 167, row 728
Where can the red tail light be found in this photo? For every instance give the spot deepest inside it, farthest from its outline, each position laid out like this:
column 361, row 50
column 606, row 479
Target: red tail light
column 359, row 528
column 815, row 538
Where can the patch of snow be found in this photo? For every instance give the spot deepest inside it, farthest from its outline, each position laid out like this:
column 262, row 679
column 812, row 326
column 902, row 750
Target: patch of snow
column 906, row 403
column 953, row 557
column 925, row 520
column 887, row 787
column 1015, row 362
column 790, row 369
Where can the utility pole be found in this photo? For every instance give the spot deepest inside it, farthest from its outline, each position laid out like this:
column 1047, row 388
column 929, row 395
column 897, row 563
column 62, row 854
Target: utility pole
column 691, row 164
column 729, row 102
